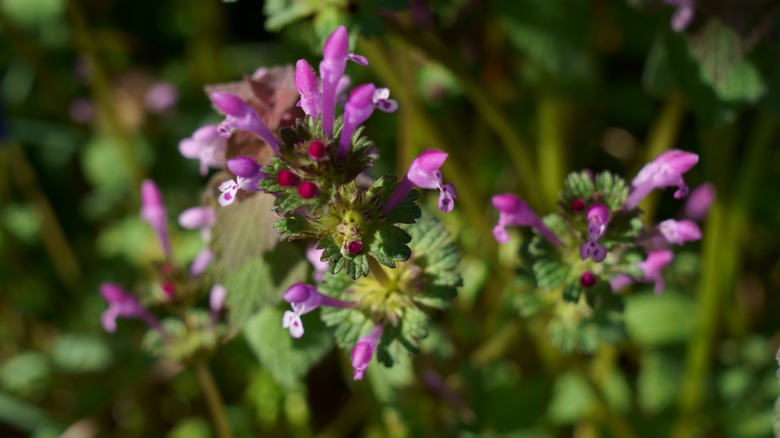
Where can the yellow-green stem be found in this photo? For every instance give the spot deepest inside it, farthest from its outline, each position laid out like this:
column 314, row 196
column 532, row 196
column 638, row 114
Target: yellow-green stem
column 214, row 400
column 52, row 235
column 101, row 94
column 518, row 150
column 662, row 137
column 554, row 115
column 720, row 264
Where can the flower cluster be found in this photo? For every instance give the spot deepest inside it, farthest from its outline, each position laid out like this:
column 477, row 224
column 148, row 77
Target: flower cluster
column 174, row 289
column 314, row 160
column 596, row 244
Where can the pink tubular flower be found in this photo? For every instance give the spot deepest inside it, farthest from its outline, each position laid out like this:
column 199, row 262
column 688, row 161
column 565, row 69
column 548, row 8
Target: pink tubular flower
column 306, row 81
column 361, row 104
column 304, row 298
column 364, row 351
column 203, row 218
column 515, row 212
column 161, row 97
column 665, row 171
column 124, row 305
column 216, row 302
column 598, row 218
column 248, row 175
column 314, row 256
column 679, row 232
column 334, row 60
column 683, row 14
column 698, row 204
column 239, row 115
column 425, row 173
column 153, row 211
column 205, row 145
column 652, row 266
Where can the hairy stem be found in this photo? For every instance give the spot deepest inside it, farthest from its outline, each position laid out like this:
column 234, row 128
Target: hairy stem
column 518, row 150
column 214, row 400
column 720, row 263
column 662, row 137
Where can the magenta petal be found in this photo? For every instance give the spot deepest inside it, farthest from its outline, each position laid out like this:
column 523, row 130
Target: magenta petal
column 229, row 104
column 698, row 204
column 217, row 298
column 679, row 232
column 197, row 217
column 243, row 166
column 299, row 292
column 201, row 262
column 337, row 45
column 364, row 351
column 113, row 293
column 424, row 170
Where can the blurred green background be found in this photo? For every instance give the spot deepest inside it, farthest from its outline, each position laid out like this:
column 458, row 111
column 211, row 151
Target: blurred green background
column 518, row 92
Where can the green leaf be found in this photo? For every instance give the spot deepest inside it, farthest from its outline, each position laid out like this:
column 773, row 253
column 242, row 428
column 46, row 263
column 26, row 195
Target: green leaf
column 281, row 13
column 262, row 281
column 654, row 320
column 658, row 382
column 389, row 244
column 25, row 372
column 723, row 64
column 552, row 34
column 550, row 273
column 287, row 359
column 578, row 185
column 572, row 292
column 613, row 189
column 81, row 353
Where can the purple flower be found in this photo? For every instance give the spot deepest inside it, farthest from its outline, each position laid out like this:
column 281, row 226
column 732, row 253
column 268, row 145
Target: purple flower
column 424, row 173
column 216, row 301
column 203, row 218
column 515, row 212
column 314, row 256
column 81, row 111
column 652, row 266
column 621, row 281
column 124, row 305
column 153, row 211
column 248, row 176
column 679, row 232
column 683, row 14
column 665, row 171
column 304, row 298
column 334, row 61
column 201, row 262
column 364, row 351
column 598, row 218
column 698, row 204
column 361, row 104
column 161, row 97
column 239, row 115
column 306, row 81
column 206, row 145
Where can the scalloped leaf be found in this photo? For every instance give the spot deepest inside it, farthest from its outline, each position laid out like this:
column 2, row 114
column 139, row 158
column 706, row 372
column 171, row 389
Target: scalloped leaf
column 550, row 273
column 287, row 359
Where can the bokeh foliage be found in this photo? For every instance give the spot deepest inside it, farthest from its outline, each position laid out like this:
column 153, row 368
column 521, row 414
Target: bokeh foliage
column 519, row 93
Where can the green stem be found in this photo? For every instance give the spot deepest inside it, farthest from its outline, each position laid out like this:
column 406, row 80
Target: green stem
column 214, row 400
column 56, row 244
column 554, row 116
column 453, row 169
column 518, row 150
column 378, row 271
column 101, row 93
column 662, row 137
column 722, row 252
